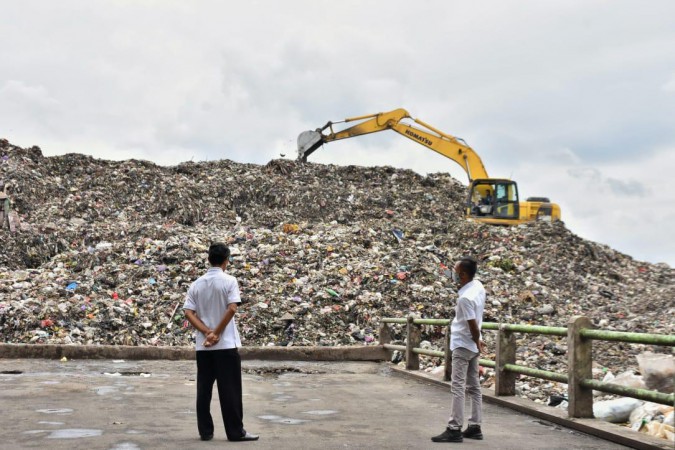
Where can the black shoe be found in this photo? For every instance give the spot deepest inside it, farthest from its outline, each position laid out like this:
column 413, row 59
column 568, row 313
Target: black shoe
column 206, row 437
column 473, row 432
column 247, row 437
column 449, row 436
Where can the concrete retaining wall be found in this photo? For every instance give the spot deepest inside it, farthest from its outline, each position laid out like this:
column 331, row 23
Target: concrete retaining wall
column 51, row 351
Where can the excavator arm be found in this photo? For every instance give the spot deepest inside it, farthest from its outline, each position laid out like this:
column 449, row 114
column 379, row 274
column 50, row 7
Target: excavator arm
column 310, row 141
column 424, row 134
column 490, row 200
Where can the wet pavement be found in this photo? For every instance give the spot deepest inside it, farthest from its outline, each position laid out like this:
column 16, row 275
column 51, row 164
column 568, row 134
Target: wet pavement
column 104, row 404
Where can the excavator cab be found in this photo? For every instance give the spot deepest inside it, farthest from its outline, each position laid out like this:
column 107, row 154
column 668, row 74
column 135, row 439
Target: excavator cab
column 493, row 201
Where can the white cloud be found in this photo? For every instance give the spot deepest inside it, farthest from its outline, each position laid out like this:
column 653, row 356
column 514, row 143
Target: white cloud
column 669, row 86
column 623, row 204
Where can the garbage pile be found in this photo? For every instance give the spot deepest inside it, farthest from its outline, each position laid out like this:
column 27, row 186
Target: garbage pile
column 107, row 249
column 657, row 372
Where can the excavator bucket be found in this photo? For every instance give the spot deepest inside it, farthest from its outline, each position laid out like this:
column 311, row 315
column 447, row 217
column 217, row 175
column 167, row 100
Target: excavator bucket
column 308, row 142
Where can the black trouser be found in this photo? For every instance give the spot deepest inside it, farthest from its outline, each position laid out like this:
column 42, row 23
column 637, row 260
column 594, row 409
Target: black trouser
column 224, row 367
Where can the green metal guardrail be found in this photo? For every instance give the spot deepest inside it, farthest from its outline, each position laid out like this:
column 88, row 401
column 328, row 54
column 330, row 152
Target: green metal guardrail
column 487, row 363
column 392, row 320
column 578, row 377
column 401, row 348
column 641, row 394
column 633, row 338
column 537, row 373
column 529, row 329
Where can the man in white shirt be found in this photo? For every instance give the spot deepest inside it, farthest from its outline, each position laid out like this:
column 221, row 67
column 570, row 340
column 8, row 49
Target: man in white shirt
column 466, row 346
column 210, row 306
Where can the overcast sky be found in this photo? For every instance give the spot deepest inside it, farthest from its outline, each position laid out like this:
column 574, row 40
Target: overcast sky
column 575, row 100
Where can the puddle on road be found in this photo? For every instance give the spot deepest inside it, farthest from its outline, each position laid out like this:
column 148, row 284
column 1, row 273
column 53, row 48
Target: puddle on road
column 51, row 382
column 128, row 374
column 321, row 412
column 74, row 433
column 283, row 398
column 44, row 422
column 125, row 446
column 289, row 421
column 11, row 372
column 55, row 411
column 105, row 390
column 283, row 420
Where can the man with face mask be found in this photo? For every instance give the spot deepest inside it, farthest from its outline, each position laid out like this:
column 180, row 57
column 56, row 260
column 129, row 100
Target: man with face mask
column 466, row 345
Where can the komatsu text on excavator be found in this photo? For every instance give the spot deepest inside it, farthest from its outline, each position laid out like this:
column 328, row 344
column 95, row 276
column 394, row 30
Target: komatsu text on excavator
column 490, row 200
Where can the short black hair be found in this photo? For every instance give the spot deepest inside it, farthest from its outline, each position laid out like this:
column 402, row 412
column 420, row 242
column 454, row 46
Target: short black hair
column 469, row 265
column 218, row 254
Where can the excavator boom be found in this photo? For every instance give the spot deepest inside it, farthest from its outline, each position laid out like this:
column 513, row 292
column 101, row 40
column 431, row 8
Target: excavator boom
column 445, row 144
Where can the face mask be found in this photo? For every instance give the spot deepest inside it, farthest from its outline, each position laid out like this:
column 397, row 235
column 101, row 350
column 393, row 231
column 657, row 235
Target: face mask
column 455, row 277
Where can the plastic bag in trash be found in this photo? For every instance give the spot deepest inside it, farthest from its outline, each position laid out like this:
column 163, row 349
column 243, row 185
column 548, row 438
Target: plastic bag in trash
column 629, row 379
column 658, row 371
column 669, row 418
column 647, row 412
column 660, row 430
column 615, row 411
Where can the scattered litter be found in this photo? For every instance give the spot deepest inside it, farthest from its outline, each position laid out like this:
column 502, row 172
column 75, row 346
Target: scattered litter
column 615, row 411
column 658, row 371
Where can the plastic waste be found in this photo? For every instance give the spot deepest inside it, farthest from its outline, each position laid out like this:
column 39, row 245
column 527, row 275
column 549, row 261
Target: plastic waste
column 660, row 430
column 615, row 411
column 555, row 400
column 629, row 379
column 669, row 419
column 647, row 412
column 658, row 371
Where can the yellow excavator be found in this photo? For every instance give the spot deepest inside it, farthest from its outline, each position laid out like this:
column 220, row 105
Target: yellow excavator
column 490, row 200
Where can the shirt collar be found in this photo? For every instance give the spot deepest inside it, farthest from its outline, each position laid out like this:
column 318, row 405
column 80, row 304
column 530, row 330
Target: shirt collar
column 466, row 287
column 214, row 269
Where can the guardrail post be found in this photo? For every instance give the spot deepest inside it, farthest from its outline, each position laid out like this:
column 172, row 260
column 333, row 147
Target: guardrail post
column 414, row 335
column 385, row 334
column 447, row 373
column 505, row 382
column 579, row 360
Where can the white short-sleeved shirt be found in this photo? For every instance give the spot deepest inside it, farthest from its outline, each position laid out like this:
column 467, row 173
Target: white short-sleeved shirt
column 470, row 305
column 209, row 296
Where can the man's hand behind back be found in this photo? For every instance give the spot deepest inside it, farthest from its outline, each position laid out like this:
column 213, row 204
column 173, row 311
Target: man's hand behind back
column 211, row 339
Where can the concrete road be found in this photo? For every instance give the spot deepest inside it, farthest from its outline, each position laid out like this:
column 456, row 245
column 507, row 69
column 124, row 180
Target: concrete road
column 104, row 404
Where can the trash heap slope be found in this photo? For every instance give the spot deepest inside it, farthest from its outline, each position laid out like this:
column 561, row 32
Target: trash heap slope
column 107, row 249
